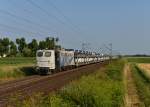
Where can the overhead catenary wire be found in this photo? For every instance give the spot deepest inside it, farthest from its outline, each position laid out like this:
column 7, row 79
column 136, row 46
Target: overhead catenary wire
column 23, row 19
column 62, row 14
column 30, row 12
column 49, row 14
column 11, row 27
column 44, row 11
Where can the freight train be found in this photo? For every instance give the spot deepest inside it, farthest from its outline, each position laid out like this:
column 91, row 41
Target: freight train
column 51, row 61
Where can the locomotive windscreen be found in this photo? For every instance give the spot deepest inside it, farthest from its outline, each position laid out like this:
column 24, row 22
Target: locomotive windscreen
column 47, row 54
column 40, row 54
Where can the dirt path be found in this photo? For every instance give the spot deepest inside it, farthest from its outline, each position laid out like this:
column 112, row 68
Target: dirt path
column 131, row 97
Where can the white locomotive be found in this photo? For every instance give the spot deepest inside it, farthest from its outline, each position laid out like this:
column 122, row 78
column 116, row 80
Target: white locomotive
column 49, row 61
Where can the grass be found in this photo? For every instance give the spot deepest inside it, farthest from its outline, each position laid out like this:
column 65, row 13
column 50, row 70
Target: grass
column 101, row 89
column 16, row 67
column 17, row 60
column 12, row 72
column 143, row 84
column 138, row 59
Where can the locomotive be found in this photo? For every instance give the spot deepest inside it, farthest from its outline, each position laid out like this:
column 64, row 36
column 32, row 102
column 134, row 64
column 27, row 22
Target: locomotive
column 51, row 61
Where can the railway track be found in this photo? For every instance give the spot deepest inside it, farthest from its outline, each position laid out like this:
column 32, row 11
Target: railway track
column 45, row 84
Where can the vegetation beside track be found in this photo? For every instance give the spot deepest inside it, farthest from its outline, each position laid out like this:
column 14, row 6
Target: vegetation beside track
column 17, row 60
column 101, row 89
column 142, row 83
column 11, row 68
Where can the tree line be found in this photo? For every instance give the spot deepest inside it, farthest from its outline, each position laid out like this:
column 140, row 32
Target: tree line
column 20, row 47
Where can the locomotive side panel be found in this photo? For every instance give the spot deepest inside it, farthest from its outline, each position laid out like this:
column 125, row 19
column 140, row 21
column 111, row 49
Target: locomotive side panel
column 66, row 58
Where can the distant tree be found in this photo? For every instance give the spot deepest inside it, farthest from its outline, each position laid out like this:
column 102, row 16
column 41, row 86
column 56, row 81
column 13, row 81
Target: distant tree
column 42, row 45
column 13, row 49
column 22, row 48
column 21, row 42
column 5, row 45
column 27, row 52
column 1, row 47
column 51, row 42
column 33, row 46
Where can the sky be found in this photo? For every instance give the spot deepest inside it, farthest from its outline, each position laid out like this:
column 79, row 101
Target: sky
column 124, row 23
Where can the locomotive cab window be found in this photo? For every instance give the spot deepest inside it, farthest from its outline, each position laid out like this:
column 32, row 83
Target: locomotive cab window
column 47, row 54
column 40, row 54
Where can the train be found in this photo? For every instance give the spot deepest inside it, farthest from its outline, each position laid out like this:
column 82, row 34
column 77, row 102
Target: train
column 52, row 61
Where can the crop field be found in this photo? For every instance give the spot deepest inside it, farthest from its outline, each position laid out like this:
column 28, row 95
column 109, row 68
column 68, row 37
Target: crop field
column 103, row 88
column 145, row 68
column 138, row 59
column 13, row 68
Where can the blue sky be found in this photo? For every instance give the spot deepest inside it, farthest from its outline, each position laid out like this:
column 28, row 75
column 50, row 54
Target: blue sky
column 124, row 23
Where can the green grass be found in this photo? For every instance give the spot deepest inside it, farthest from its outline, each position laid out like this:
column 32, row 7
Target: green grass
column 139, row 59
column 143, row 85
column 101, row 89
column 17, row 60
column 16, row 67
column 12, row 72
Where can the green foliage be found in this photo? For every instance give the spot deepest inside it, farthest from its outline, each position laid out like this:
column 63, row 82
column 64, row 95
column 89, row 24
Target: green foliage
column 17, row 72
column 38, row 100
column 95, row 90
column 21, row 42
column 114, row 70
column 15, row 67
column 22, row 48
column 139, row 59
column 11, row 74
column 33, row 46
column 27, row 52
column 143, row 85
column 49, row 43
column 13, row 49
column 4, row 46
column 42, row 45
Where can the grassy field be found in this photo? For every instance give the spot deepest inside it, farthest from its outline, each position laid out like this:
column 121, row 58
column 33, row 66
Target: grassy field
column 138, row 59
column 101, row 89
column 12, row 68
column 17, row 60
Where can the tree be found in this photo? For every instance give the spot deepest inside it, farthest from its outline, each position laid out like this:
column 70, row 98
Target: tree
column 51, row 42
column 13, row 49
column 21, row 44
column 1, row 47
column 48, row 42
column 42, row 45
column 33, row 46
column 5, row 42
column 27, row 52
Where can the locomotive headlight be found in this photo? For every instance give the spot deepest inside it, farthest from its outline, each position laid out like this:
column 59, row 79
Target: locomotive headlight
column 37, row 68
